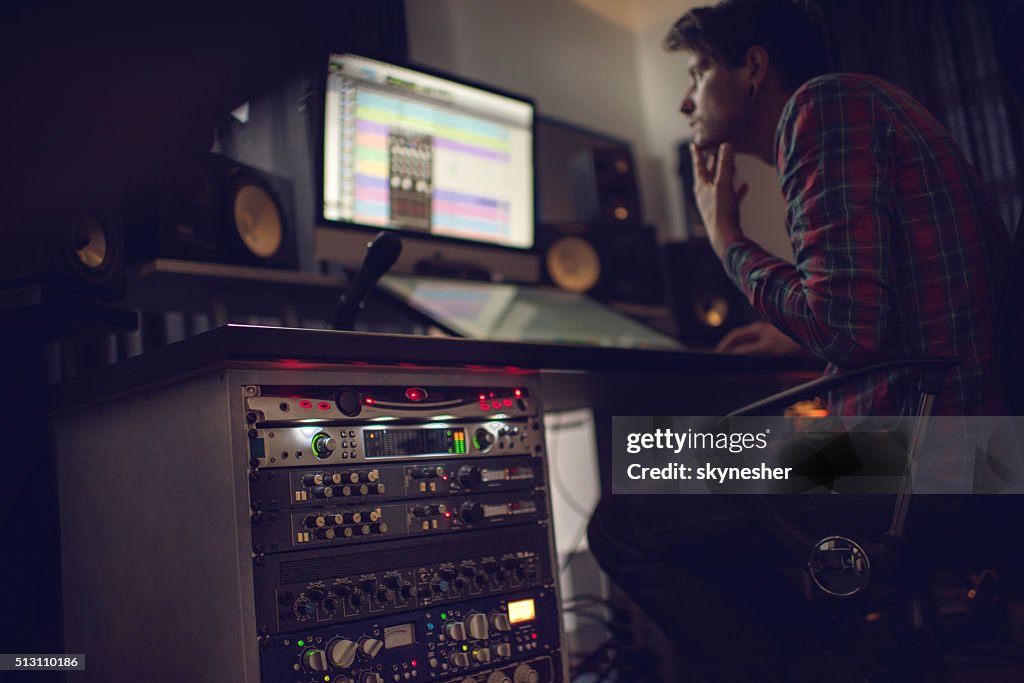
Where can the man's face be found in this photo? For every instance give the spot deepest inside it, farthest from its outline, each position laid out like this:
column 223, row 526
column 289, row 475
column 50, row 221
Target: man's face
column 716, row 104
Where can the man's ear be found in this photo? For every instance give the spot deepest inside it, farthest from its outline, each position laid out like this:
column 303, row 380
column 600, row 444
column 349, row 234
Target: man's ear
column 756, row 66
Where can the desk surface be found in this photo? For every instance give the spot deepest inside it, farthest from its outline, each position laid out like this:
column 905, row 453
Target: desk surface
column 284, row 347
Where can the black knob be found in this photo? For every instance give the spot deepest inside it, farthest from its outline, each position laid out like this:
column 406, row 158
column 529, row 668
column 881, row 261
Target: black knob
column 323, row 492
column 344, row 589
column 471, row 512
column 356, row 600
column 315, row 594
column 483, row 439
column 349, row 402
column 428, row 472
column 448, row 573
column 313, row 479
column 330, row 604
column 314, row 521
column 409, row 591
column 370, row 677
column 490, row 566
column 384, row 595
column 368, row 585
column 469, row 476
column 325, row 533
column 351, row 517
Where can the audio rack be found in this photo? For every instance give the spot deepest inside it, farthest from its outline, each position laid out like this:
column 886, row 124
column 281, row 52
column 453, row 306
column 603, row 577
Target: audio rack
column 411, row 524
column 304, row 523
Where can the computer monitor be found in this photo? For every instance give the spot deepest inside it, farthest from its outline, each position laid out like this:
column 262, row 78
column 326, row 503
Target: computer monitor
column 447, row 163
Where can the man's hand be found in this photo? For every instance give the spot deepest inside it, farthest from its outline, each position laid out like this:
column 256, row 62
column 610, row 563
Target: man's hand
column 762, row 339
column 717, row 200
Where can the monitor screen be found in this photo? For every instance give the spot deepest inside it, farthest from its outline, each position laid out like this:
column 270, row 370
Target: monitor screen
column 447, row 163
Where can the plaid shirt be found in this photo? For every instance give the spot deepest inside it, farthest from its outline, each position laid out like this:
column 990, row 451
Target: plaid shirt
column 898, row 250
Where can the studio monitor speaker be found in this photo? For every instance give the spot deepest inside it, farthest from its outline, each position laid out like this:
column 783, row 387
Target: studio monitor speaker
column 210, row 208
column 607, row 261
column 706, row 303
column 604, row 186
column 78, row 250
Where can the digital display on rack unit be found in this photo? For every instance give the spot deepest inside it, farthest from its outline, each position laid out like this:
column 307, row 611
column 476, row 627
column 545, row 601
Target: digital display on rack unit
column 398, row 443
column 399, row 636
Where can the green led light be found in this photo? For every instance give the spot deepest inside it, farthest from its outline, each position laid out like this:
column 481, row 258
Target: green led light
column 301, row 643
column 444, row 615
column 465, row 648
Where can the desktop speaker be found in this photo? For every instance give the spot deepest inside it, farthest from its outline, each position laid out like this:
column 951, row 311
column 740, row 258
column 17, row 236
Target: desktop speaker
column 706, row 303
column 78, row 250
column 606, row 261
column 211, row 208
column 604, row 186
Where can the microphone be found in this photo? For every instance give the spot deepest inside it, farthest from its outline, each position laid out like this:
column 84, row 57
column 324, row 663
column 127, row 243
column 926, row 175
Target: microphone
column 381, row 254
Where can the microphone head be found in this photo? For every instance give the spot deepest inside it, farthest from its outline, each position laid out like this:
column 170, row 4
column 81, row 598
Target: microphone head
column 383, row 251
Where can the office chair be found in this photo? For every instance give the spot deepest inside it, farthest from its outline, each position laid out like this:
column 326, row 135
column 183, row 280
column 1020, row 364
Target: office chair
column 842, row 566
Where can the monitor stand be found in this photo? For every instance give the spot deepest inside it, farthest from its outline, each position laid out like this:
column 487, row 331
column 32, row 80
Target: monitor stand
column 437, row 266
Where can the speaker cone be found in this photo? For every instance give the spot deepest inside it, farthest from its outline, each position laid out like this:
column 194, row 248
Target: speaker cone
column 573, row 264
column 89, row 241
column 257, row 218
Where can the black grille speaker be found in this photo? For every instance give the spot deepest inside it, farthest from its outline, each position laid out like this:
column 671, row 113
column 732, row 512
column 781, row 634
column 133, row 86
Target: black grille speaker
column 78, row 250
column 606, row 261
column 210, row 208
column 604, row 186
column 706, row 303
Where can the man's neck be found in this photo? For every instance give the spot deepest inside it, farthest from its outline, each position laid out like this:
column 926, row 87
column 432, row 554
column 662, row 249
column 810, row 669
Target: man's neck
column 767, row 121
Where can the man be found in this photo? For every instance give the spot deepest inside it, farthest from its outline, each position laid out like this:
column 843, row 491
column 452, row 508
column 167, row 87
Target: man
column 898, row 253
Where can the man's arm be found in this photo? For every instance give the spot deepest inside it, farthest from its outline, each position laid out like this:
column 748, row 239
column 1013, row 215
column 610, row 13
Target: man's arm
column 837, row 178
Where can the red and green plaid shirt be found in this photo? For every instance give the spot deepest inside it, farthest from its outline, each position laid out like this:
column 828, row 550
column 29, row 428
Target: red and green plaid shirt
column 898, row 250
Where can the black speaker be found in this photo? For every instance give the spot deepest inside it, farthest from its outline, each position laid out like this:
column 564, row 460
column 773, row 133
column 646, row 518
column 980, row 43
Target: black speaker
column 604, row 186
column 706, row 303
column 207, row 207
column 78, row 250
column 607, row 261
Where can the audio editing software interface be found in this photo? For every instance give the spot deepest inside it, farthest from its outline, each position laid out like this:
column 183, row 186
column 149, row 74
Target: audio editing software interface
column 401, row 533
column 406, row 149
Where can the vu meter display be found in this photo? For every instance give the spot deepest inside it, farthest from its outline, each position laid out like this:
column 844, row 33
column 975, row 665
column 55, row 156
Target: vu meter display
column 389, row 443
column 399, row 636
column 521, row 611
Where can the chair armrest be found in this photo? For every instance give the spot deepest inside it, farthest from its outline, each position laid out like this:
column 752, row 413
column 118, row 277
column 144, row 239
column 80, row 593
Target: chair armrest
column 934, row 369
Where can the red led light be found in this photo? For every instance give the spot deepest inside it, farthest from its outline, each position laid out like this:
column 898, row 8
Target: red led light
column 495, row 404
column 507, row 402
column 482, row 397
column 369, row 401
column 492, row 394
column 519, row 393
column 414, row 394
column 306, row 404
column 323, row 405
column 414, row 662
column 447, row 515
column 534, row 636
column 484, row 406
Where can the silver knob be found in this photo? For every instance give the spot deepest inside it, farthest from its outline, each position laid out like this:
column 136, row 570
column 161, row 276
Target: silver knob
column 341, row 653
column 499, row 621
column 369, row 647
column 455, row 630
column 476, row 623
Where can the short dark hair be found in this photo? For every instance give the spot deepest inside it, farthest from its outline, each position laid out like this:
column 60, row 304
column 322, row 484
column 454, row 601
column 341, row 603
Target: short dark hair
column 790, row 30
